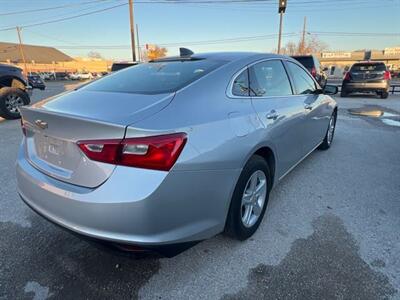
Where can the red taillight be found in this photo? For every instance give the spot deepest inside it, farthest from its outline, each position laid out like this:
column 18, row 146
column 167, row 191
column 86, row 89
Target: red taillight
column 347, row 76
column 387, row 75
column 153, row 152
column 314, row 72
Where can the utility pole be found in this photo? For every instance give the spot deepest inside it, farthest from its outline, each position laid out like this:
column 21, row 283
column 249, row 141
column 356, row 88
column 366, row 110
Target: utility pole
column 303, row 39
column 21, row 50
column 281, row 11
column 138, row 43
column 132, row 29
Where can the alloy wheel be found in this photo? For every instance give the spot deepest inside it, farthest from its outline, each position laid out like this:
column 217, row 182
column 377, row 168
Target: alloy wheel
column 13, row 102
column 253, row 198
column 331, row 129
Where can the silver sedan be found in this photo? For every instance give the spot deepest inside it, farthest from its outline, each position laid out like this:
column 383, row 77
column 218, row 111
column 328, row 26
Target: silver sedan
column 175, row 150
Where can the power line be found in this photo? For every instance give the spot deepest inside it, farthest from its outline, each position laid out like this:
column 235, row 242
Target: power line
column 50, row 8
column 172, row 44
column 66, row 18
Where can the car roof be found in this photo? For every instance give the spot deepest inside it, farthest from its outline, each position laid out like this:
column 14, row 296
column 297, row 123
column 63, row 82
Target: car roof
column 226, row 56
column 9, row 66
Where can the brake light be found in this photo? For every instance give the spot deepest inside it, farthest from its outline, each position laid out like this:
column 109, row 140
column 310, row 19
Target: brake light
column 347, row 76
column 387, row 75
column 153, row 152
column 314, row 72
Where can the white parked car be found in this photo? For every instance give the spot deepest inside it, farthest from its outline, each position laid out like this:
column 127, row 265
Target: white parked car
column 74, row 76
column 85, row 75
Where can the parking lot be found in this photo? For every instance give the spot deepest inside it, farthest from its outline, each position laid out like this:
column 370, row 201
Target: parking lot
column 331, row 231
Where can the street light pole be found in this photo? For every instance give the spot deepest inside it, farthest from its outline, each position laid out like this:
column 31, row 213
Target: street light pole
column 303, row 39
column 138, row 43
column 21, row 50
column 281, row 11
column 132, row 26
column 280, row 32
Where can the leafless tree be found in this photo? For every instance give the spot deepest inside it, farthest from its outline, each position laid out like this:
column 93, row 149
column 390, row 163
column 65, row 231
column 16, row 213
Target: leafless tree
column 312, row 44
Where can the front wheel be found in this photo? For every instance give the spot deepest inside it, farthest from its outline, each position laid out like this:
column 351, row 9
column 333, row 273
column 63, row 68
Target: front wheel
column 11, row 99
column 327, row 142
column 249, row 199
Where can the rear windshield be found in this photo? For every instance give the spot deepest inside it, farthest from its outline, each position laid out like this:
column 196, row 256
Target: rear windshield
column 155, row 77
column 368, row 67
column 306, row 61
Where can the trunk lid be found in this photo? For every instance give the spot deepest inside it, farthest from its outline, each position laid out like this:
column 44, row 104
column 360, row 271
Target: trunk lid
column 53, row 127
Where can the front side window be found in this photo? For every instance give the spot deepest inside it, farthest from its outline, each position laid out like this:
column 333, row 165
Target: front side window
column 303, row 82
column 155, row 77
column 240, row 85
column 269, row 78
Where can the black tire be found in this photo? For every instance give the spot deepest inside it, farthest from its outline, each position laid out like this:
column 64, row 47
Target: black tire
column 234, row 226
column 384, row 94
column 7, row 112
column 326, row 144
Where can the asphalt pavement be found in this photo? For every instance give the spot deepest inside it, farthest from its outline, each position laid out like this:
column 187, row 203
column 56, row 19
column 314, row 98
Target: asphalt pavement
column 331, row 231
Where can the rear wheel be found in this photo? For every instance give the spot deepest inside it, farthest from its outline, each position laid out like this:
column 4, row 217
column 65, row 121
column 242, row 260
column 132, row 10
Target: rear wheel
column 384, row 94
column 249, row 199
column 11, row 99
column 326, row 143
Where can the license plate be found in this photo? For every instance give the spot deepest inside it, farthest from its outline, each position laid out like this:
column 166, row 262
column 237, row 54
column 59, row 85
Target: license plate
column 49, row 145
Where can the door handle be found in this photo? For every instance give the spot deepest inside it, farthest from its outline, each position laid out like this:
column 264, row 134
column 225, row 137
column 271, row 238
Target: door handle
column 272, row 115
column 308, row 106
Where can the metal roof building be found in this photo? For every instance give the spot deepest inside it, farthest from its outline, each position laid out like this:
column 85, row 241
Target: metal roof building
column 10, row 52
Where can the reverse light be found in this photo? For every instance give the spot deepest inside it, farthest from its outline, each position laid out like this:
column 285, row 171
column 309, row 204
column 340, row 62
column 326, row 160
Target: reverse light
column 153, row 152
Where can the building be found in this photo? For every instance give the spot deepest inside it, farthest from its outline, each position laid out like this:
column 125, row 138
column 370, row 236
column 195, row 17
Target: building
column 339, row 62
column 48, row 59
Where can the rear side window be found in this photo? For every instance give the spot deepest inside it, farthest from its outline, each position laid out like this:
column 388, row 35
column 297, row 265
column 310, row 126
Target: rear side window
column 155, row 77
column 269, row 78
column 306, row 61
column 240, row 85
column 368, row 67
column 303, row 82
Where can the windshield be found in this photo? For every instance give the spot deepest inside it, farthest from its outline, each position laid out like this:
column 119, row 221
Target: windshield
column 155, row 77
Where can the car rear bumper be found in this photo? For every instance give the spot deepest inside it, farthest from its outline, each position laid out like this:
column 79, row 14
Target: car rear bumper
column 134, row 206
column 366, row 86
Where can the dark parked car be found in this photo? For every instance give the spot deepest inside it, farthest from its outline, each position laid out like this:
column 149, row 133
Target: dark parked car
column 122, row 65
column 368, row 77
column 14, row 91
column 36, row 82
column 312, row 64
column 61, row 76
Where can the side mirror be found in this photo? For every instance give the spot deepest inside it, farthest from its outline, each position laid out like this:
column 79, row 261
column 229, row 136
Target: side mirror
column 331, row 89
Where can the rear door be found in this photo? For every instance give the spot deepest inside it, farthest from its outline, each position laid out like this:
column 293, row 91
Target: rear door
column 313, row 104
column 281, row 112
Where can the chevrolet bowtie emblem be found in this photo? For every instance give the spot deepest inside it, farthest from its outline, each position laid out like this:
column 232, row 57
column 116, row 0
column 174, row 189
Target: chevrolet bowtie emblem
column 41, row 124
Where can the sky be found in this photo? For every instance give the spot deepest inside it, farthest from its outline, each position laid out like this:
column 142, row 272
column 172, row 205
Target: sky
column 203, row 25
